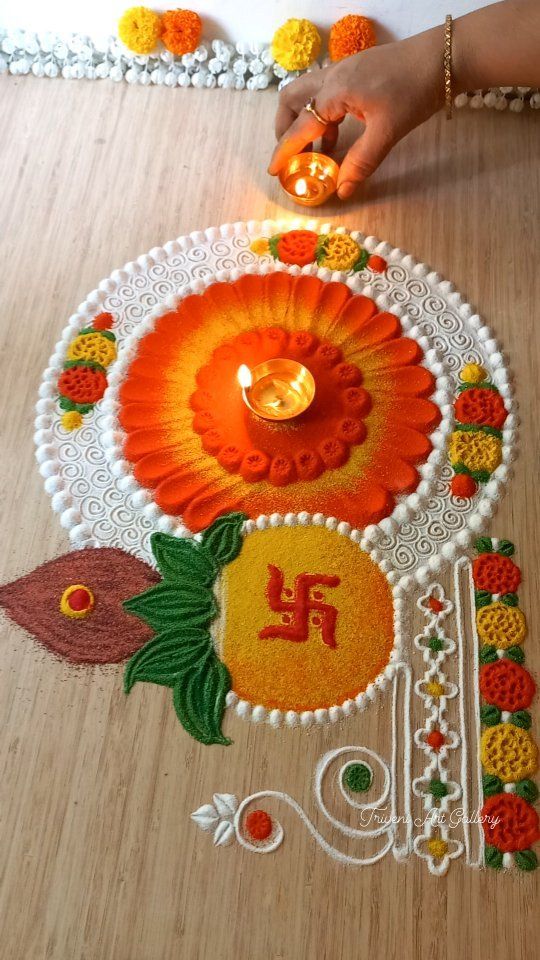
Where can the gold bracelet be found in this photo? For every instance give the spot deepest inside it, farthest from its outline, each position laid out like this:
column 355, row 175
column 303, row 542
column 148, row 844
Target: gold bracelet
column 448, row 66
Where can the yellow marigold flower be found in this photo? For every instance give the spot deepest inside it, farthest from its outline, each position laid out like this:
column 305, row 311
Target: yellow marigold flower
column 501, row 626
column 351, row 34
column 341, row 252
column 71, row 420
column 92, row 346
column 437, row 847
column 475, row 450
column 181, row 31
column 473, row 373
column 296, row 44
column 508, row 752
column 260, row 246
column 139, row 28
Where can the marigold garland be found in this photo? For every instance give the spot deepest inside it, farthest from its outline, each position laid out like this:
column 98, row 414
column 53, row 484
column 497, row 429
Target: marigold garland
column 83, row 380
column 334, row 251
column 296, row 44
column 350, row 35
column 181, row 31
column 508, row 752
column 475, row 449
column 139, row 28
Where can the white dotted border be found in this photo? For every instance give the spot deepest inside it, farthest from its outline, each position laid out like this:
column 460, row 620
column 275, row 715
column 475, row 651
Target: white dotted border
column 46, row 407
column 307, row 718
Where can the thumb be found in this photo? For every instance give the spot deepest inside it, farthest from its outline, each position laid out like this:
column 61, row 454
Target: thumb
column 364, row 157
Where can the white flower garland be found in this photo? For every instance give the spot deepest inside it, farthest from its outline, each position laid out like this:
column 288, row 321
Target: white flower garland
column 213, row 64
column 499, row 98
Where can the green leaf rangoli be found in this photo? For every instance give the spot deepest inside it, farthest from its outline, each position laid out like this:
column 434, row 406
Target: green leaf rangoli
column 180, row 610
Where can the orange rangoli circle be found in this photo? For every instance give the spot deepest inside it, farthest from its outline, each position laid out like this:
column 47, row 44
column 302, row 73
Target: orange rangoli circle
column 188, row 433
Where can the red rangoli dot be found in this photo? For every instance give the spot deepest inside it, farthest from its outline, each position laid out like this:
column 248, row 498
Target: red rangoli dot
column 435, row 739
column 80, row 599
column 435, row 605
column 377, row 263
column 463, row 485
column 258, row 825
column 103, row 321
column 347, row 375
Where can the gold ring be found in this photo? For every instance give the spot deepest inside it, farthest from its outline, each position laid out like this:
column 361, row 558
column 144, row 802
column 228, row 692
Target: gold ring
column 310, row 107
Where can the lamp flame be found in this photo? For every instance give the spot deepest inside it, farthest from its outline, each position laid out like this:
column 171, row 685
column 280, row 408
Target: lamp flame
column 300, row 187
column 244, row 377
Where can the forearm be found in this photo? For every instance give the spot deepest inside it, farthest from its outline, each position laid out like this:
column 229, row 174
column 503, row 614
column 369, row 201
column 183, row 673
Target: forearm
column 498, row 45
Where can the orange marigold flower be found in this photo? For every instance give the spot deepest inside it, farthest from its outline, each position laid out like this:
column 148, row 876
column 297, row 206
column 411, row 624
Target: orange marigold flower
column 82, row 384
column 350, row 35
column 139, row 28
column 297, row 246
column 181, row 31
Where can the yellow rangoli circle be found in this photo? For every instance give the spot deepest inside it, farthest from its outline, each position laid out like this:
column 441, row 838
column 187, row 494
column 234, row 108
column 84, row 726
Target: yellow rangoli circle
column 307, row 619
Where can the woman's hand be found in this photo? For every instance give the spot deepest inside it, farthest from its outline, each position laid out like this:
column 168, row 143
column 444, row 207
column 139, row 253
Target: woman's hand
column 391, row 88
column 394, row 87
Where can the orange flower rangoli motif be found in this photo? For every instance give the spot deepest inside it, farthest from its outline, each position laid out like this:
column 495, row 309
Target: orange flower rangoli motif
column 196, row 445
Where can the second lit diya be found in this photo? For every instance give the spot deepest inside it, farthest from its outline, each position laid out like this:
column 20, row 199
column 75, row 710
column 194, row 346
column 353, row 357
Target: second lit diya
column 309, row 178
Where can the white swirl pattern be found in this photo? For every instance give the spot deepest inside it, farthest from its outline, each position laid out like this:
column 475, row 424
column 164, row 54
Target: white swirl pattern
column 99, row 505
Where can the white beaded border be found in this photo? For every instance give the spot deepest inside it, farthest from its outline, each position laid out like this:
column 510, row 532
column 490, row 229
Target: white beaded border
column 307, row 718
column 46, row 407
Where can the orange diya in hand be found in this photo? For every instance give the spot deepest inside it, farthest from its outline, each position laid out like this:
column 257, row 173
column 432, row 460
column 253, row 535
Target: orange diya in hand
column 309, row 178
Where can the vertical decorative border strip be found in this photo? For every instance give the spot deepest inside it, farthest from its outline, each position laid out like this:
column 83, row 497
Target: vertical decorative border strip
column 508, row 752
column 471, row 773
column 435, row 737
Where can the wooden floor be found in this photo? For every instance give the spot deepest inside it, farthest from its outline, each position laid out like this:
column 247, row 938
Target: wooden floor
column 98, row 858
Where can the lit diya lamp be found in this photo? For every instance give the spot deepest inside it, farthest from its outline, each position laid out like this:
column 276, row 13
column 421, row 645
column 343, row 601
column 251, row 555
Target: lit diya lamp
column 277, row 389
column 309, row 178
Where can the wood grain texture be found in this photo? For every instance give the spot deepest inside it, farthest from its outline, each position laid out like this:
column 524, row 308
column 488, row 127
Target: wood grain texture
column 98, row 859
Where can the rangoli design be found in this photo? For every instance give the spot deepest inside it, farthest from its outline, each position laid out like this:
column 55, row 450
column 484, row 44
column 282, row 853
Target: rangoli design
column 288, row 571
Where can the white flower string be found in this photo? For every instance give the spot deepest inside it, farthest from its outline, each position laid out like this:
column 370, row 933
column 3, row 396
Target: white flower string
column 215, row 63
column 500, row 98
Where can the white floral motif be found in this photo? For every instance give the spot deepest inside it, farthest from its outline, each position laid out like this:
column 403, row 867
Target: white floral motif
column 438, row 865
column 218, row 818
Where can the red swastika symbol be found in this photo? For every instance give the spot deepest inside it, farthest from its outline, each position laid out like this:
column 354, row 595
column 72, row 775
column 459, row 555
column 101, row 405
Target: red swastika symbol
column 298, row 609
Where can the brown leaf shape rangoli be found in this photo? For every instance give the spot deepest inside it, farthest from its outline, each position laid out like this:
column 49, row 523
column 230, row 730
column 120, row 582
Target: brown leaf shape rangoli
column 108, row 633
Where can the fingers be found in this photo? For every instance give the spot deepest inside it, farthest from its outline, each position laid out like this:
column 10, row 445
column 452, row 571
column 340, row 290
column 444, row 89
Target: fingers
column 293, row 97
column 304, row 129
column 364, row 157
column 330, row 138
column 285, row 116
